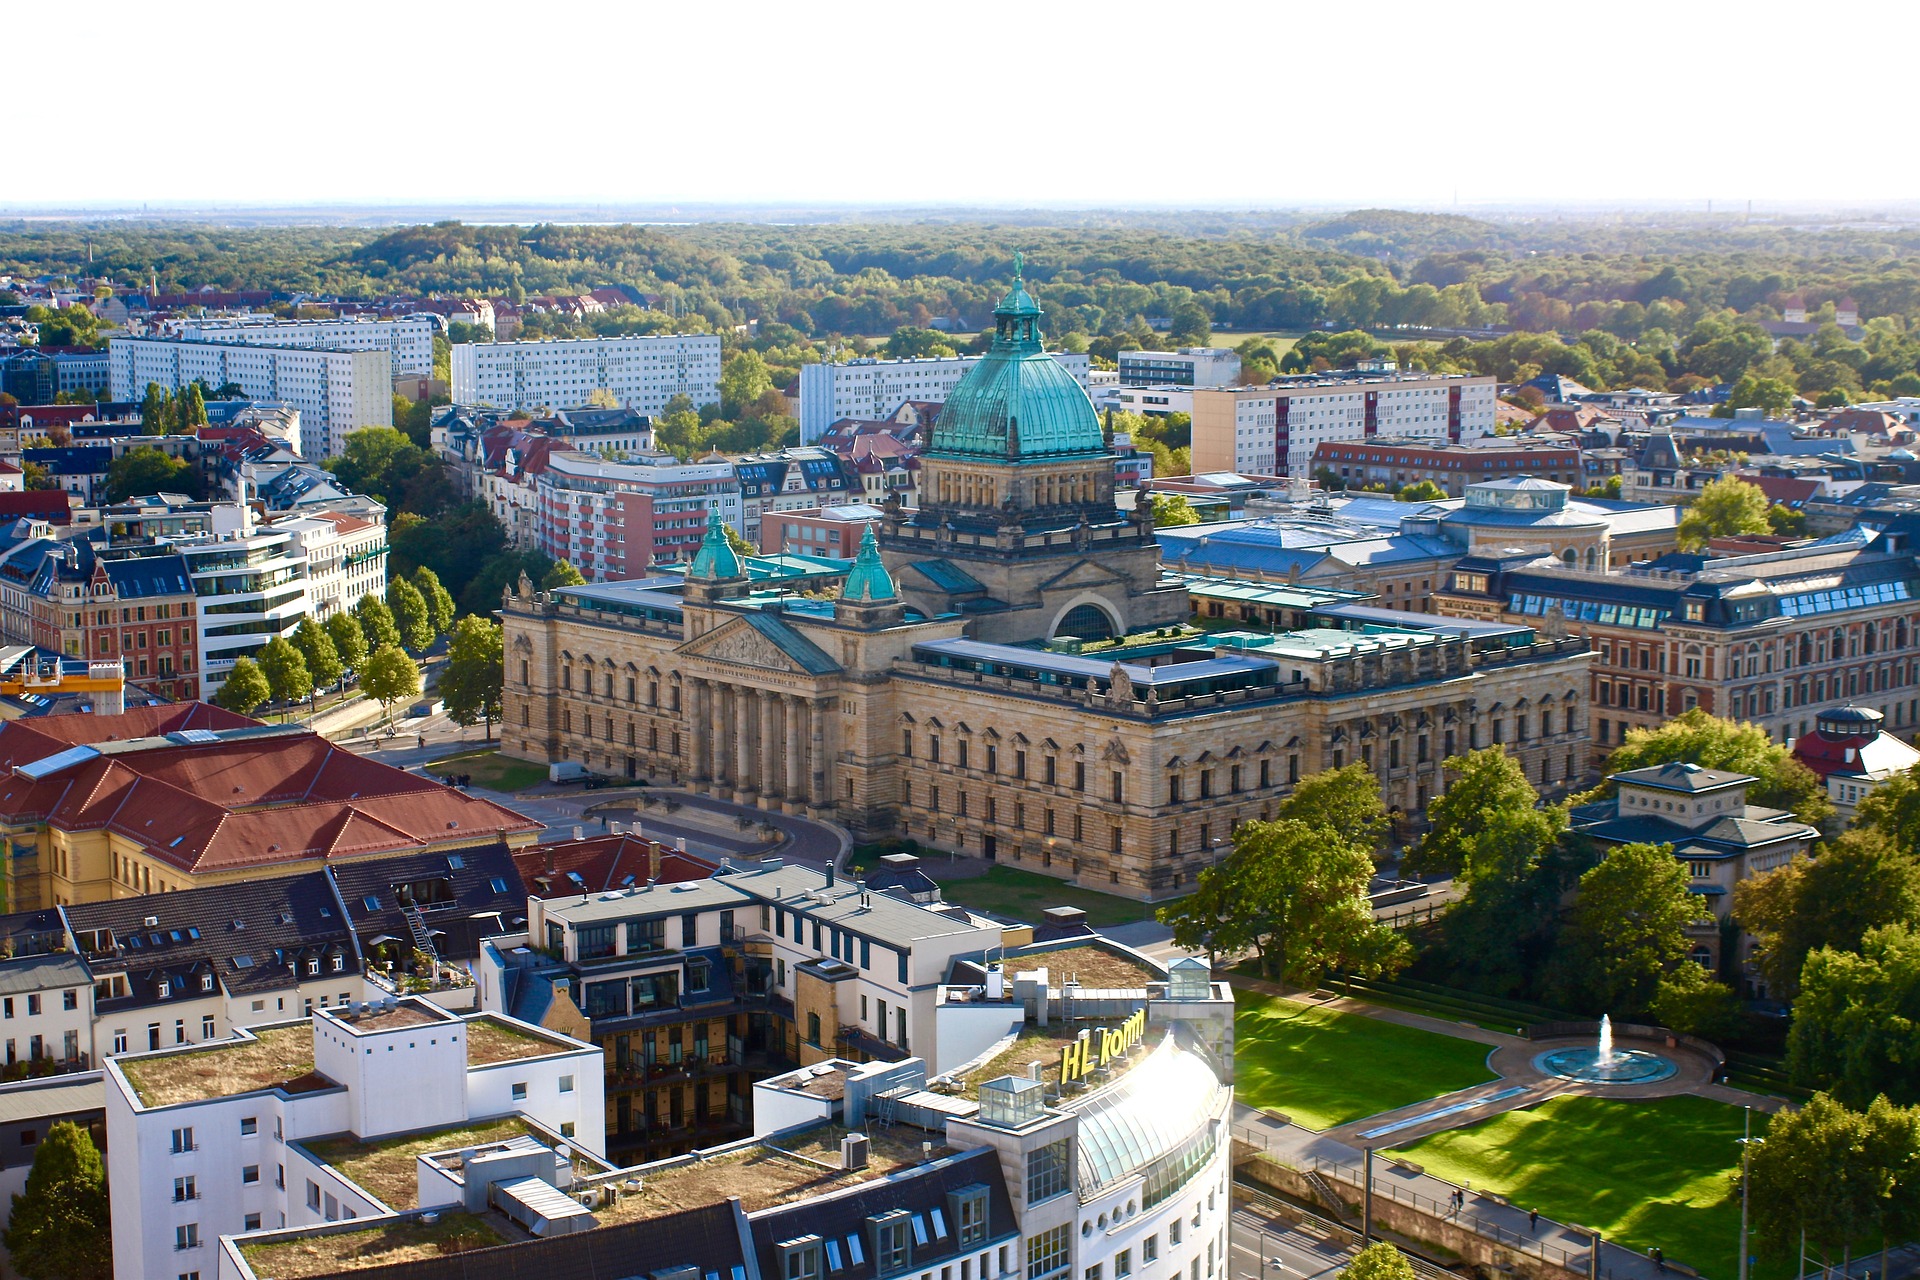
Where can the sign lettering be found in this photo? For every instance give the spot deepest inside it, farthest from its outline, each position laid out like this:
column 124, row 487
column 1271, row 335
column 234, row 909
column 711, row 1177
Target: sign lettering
column 1084, row 1056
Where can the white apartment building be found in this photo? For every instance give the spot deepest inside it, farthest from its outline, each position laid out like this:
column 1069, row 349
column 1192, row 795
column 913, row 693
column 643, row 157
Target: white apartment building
column 218, row 1140
column 253, row 586
column 1187, row 367
column 874, row 389
column 335, row 392
column 643, row 373
column 346, row 558
column 1273, row 430
column 408, row 343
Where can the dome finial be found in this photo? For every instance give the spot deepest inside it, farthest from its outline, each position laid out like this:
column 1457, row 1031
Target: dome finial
column 1019, row 267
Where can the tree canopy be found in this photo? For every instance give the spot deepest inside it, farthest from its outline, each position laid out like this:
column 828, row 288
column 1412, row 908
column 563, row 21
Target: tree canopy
column 475, row 678
column 1856, row 1024
column 1485, row 783
column 1725, row 508
column 1860, row 881
column 1698, row 737
column 390, row 677
column 142, row 471
column 59, row 1228
column 245, row 689
column 1628, row 927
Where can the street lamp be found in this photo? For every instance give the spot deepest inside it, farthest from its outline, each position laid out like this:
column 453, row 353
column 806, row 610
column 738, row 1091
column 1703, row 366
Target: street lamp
column 1746, row 1148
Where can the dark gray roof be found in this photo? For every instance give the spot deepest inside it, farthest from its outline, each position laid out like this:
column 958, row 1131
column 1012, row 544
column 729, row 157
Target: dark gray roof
column 41, row 973
column 1677, row 775
column 484, row 894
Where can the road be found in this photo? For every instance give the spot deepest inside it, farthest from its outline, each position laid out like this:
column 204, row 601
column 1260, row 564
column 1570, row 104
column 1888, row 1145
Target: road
column 1260, row 1246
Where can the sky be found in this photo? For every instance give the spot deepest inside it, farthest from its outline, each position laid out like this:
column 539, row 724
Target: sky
column 1219, row 103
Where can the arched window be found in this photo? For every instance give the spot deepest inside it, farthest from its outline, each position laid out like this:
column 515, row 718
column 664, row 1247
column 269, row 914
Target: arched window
column 1086, row 622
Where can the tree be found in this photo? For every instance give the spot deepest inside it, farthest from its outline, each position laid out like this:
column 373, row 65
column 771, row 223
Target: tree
column 349, row 640
column 1297, row 897
column 1697, row 737
column 744, row 380
column 245, row 689
column 376, row 622
column 1423, row 491
column 1342, row 804
column 562, row 574
column 1171, row 510
column 1856, row 1025
column 1485, row 782
column 1501, row 932
column 285, row 670
column 390, row 677
column 1785, row 522
column 1831, row 1172
column 475, row 678
column 1772, row 396
column 191, row 410
column 156, row 410
column 147, row 470
column 1379, row 1261
column 440, row 610
column 36, row 477
column 319, row 652
column 1691, row 1001
column 59, row 1228
column 1726, row 508
column 410, row 616
column 1893, row 809
column 738, row 541
column 1628, row 927
column 1860, row 881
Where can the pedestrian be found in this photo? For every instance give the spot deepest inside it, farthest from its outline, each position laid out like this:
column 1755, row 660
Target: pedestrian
column 423, row 740
column 1533, row 1219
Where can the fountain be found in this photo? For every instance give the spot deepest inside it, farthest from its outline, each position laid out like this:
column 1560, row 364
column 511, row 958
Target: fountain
column 1604, row 1064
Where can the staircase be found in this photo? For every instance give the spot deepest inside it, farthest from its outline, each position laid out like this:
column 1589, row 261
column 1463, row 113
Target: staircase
column 1323, row 1192
column 422, row 936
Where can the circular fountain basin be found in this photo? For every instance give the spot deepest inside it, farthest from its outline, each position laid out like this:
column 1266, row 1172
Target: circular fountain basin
column 1622, row 1066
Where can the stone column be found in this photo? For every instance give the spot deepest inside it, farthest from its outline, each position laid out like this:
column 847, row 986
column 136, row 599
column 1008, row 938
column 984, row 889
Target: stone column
column 718, row 730
column 699, row 723
column 743, row 779
column 795, row 790
column 817, row 750
column 768, row 745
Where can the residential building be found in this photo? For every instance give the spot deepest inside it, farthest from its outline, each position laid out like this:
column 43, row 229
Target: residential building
column 641, row 373
column 1187, row 367
column 408, row 341
column 1852, row 753
column 793, row 479
column 872, row 389
column 142, row 612
column 617, row 520
column 1275, row 429
column 22, row 424
column 345, row 558
column 334, row 391
column 206, row 1142
column 834, row 532
column 1776, row 638
column 1007, row 673
column 1704, row 816
column 37, row 375
column 164, row 798
column 78, row 469
column 1154, row 402
column 1399, row 463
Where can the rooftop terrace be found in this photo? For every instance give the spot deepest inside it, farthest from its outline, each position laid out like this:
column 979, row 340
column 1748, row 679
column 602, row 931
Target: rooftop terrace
column 1094, row 968
column 325, row 1255
column 279, row 1057
column 386, row 1167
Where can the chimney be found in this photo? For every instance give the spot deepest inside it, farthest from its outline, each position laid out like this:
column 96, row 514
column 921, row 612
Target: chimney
column 829, row 875
column 551, row 869
column 653, row 860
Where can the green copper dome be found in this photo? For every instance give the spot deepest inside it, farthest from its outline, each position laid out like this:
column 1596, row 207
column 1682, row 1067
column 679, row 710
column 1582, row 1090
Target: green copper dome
column 716, row 559
column 868, row 582
column 1017, row 402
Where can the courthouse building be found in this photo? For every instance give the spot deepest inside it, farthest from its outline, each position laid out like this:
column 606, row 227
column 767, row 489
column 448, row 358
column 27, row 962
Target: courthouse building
column 1006, row 671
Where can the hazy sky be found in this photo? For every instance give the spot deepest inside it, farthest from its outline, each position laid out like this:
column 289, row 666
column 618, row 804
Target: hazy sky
column 1209, row 103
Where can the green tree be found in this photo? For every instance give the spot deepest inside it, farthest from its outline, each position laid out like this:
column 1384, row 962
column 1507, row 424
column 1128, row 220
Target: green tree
column 319, row 652
column 59, row 1228
column 285, row 670
column 475, row 678
column 1727, row 507
column 1772, row 396
column 1422, row 491
column 1628, row 927
column 1856, row 1025
column 1343, row 804
column 1826, row 1170
column 410, row 616
column 1485, row 782
column 1893, row 809
column 1379, row 1261
column 156, row 410
column 144, row 470
column 743, row 380
column 390, row 677
column 376, row 622
column 1785, row 522
column 192, row 409
column 245, row 689
column 561, row 574
column 1501, row 932
column 1171, row 510
column 349, row 640
column 440, row 610
column 1698, row 737
column 1859, row 882
column 1296, row 896
column 1691, row 1001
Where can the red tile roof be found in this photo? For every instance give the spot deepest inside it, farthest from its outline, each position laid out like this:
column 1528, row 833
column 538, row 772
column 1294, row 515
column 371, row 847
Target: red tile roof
column 604, row 862
column 233, row 803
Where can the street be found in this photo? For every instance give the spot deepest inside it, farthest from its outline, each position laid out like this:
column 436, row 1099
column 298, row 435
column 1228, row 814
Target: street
column 1261, row 1245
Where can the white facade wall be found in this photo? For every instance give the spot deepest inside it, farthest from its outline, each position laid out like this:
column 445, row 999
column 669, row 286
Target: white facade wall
column 643, row 373
column 408, row 343
column 1336, row 412
column 1189, row 367
column 63, row 1032
column 873, row 389
column 335, row 392
column 257, row 600
column 401, row 1078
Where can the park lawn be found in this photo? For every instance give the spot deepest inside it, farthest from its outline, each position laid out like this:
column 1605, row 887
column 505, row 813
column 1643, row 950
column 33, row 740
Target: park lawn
column 1023, row 895
column 491, row 770
column 1282, row 340
column 1644, row 1172
column 1325, row 1068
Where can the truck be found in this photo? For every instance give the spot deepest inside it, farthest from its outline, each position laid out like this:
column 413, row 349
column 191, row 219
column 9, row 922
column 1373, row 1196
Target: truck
column 566, row 771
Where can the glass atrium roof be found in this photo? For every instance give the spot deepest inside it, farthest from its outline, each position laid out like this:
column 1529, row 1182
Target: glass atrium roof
column 1158, row 1117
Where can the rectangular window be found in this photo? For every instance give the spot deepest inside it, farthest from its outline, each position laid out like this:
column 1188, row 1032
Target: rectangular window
column 183, row 1141
column 249, row 1125
column 187, row 1237
column 250, row 1173
column 1047, row 1252
column 1048, row 1171
column 1150, row 1249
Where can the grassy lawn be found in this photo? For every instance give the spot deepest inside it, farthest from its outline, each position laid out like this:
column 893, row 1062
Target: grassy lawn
column 1326, row 1068
column 1023, row 895
column 491, row 770
column 1231, row 338
column 1653, row 1172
